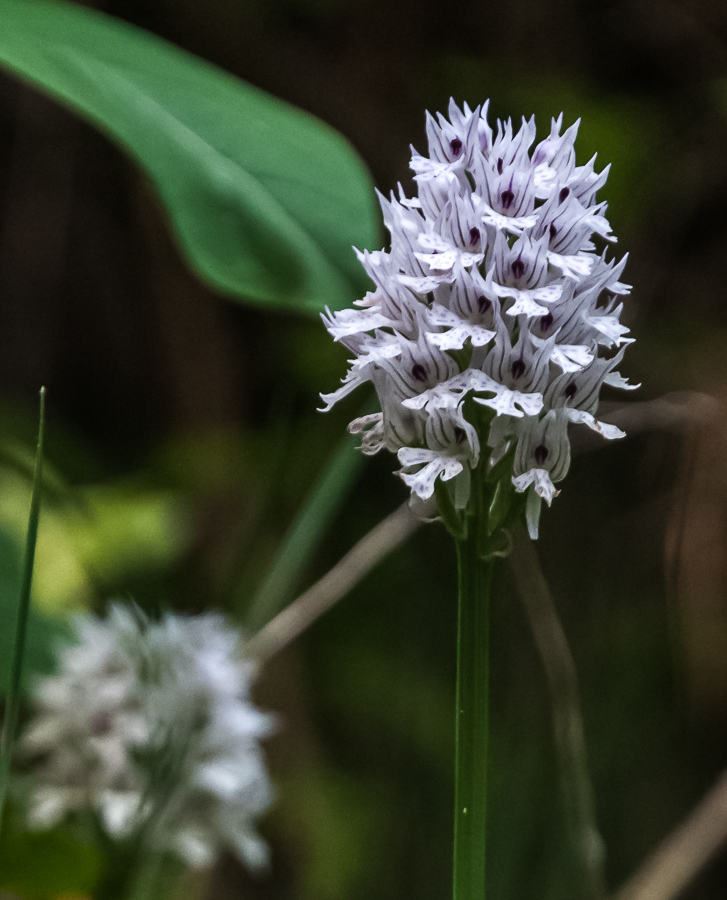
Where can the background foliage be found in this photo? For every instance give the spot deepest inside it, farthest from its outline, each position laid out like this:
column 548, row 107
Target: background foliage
column 183, row 435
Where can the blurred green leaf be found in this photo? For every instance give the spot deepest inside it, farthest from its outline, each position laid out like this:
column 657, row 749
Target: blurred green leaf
column 324, row 501
column 47, row 865
column 265, row 200
column 624, row 129
column 44, row 631
column 345, row 825
column 365, row 675
column 125, row 530
column 60, row 580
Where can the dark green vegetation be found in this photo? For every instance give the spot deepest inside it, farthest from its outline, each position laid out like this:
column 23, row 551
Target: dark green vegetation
column 182, row 436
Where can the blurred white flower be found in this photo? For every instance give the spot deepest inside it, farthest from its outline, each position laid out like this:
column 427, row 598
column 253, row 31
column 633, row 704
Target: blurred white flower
column 493, row 291
column 149, row 724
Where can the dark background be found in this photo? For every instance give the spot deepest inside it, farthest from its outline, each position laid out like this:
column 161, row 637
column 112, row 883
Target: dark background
column 156, row 382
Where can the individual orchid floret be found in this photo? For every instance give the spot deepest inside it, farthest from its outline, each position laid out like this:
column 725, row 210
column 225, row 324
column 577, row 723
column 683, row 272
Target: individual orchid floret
column 151, row 722
column 495, row 318
column 542, row 457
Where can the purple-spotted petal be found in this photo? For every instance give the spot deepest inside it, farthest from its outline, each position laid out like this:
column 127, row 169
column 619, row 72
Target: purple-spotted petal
column 577, row 266
column 541, row 482
column 579, row 416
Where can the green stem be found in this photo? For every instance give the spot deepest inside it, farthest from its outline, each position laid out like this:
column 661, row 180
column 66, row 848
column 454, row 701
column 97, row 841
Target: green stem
column 470, row 793
column 12, row 706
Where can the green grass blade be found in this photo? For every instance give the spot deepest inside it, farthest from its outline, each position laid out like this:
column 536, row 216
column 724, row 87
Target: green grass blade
column 7, row 740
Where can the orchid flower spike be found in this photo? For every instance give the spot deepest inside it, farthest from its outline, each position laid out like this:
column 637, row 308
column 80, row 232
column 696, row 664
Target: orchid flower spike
column 150, row 723
column 494, row 319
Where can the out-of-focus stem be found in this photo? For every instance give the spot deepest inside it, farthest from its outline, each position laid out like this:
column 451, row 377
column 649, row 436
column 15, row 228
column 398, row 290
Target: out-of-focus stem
column 336, row 583
column 562, row 680
column 684, row 852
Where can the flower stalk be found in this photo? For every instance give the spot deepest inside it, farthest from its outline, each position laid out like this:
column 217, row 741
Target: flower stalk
column 471, row 729
column 148, row 726
column 493, row 323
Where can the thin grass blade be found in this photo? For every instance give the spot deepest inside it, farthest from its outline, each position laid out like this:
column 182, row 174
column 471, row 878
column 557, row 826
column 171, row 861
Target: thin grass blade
column 12, row 706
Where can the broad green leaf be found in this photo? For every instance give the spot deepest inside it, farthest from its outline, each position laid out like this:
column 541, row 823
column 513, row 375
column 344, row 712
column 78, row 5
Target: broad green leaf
column 266, row 201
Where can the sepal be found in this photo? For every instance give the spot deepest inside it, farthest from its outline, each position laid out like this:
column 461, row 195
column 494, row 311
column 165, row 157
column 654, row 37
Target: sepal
column 456, row 522
column 499, row 505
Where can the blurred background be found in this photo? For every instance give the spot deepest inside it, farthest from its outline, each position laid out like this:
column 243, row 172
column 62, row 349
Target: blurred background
column 183, row 437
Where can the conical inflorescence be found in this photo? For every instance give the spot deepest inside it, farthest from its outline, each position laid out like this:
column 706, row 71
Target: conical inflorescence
column 495, row 316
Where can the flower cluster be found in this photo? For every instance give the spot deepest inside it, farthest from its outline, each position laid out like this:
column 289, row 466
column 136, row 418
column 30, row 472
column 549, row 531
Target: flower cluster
column 149, row 725
column 493, row 293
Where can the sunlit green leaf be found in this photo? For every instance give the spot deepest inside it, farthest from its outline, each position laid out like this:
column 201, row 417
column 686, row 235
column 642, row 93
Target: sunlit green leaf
column 121, row 530
column 44, row 631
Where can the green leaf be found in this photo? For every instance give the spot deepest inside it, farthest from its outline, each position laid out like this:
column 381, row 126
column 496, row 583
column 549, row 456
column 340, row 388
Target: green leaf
column 314, row 517
column 122, row 530
column 46, row 865
column 44, row 631
column 265, row 200
column 345, row 827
